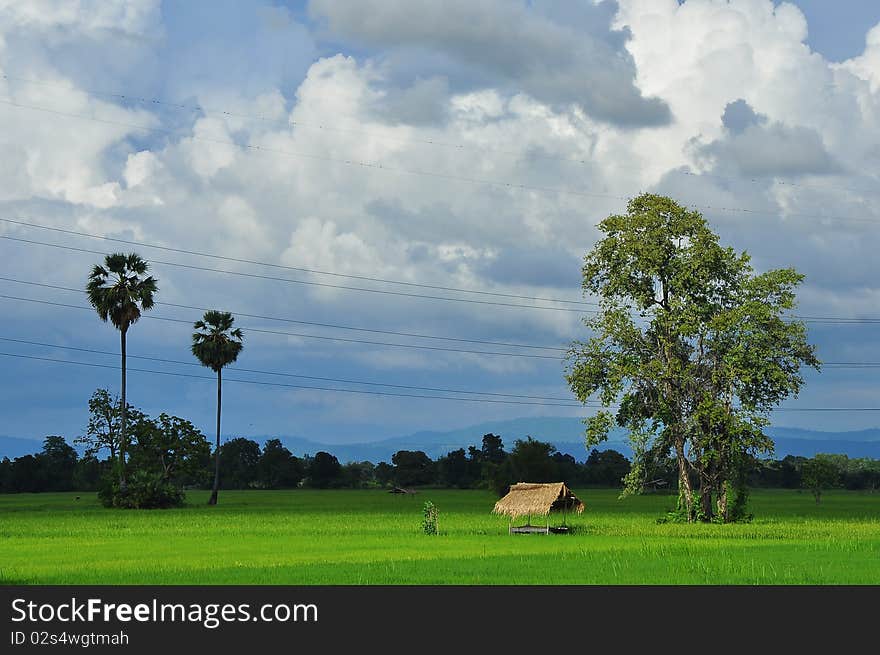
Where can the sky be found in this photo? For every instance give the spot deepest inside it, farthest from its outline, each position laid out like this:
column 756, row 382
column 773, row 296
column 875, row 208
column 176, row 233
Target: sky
column 468, row 147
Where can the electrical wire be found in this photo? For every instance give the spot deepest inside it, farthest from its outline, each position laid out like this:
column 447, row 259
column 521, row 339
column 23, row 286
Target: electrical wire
column 301, row 335
column 384, row 393
column 303, row 282
column 312, row 323
column 142, row 244
column 285, row 374
column 292, row 386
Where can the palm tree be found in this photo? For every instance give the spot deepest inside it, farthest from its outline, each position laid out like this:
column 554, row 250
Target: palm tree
column 216, row 345
column 119, row 291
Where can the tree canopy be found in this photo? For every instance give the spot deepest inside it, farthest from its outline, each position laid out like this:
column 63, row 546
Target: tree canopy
column 691, row 348
column 120, row 289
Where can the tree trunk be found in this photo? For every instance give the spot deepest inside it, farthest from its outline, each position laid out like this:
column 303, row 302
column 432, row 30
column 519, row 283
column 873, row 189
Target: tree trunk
column 708, row 491
column 122, row 434
column 722, row 502
column 706, row 500
column 213, row 499
column 685, row 493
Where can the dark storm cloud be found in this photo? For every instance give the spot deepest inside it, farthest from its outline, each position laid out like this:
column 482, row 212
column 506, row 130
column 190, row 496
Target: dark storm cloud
column 739, row 115
column 562, row 57
column 421, row 103
column 754, row 146
column 550, row 267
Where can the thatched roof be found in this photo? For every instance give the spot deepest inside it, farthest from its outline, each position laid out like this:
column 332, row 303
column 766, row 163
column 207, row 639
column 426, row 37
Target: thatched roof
column 525, row 498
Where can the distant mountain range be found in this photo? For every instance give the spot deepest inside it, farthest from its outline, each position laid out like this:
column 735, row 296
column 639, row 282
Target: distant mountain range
column 563, row 432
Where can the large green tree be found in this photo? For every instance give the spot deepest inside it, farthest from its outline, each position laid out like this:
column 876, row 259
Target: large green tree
column 690, row 344
column 120, row 290
column 278, row 467
column 171, row 447
column 412, row 468
column 105, row 417
column 240, row 463
column 216, row 344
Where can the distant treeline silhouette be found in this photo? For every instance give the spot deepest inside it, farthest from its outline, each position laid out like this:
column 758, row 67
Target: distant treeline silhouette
column 173, row 450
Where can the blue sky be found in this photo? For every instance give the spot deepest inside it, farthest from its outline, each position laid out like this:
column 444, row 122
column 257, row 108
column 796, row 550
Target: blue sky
column 378, row 139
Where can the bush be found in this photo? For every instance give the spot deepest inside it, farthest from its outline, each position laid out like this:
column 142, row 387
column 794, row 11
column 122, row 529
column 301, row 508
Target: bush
column 144, row 490
column 429, row 523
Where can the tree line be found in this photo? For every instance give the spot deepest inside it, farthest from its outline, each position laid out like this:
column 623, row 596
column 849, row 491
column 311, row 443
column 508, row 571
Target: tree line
column 172, row 450
column 168, row 454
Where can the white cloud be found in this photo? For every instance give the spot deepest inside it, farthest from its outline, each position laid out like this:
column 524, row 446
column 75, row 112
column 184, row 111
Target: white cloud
column 560, row 57
column 310, row 192
column 867, row 65
column 88, row 17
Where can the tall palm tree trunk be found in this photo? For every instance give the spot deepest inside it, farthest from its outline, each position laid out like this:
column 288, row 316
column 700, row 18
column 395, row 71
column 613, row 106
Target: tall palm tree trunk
column 213, row 499
column 122, row 434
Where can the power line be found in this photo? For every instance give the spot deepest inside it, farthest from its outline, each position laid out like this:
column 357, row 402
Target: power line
column 304, row 282
column 385, row 137
column 384, row 393
column 292, row 268
column 422, row 173
column 838, row 365
column 304, row 336
column 287, row 374
column 312, row 323
column 806, row 319
column 837, row 319
column 827, row 409
column 294, row 386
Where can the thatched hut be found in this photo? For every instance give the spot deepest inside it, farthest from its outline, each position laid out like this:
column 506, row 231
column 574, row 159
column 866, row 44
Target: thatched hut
column 533, row 498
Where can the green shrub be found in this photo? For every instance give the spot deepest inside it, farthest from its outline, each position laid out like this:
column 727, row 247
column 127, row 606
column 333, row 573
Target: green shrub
column 429, row 522
column 144, row 490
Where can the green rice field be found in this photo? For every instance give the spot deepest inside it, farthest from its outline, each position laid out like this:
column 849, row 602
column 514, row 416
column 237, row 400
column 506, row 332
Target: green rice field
column 372, row 537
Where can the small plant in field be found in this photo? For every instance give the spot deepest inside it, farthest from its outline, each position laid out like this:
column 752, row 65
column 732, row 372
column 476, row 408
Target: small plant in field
column 429, row 522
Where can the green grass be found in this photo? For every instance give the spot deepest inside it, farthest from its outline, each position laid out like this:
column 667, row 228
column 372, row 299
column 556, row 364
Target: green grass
column 372, row 537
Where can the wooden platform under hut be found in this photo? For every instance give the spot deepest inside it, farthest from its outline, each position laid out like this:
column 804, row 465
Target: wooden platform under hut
column 538, row 499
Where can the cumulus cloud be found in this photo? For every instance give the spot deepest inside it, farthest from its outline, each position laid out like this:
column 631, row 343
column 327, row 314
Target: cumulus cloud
column 570, row 59
column 753, row 146
column 94, row 18
column 472, row 147
column 867, row 65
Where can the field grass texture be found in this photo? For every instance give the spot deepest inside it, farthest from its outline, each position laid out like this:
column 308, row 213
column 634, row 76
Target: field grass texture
column 372, row 537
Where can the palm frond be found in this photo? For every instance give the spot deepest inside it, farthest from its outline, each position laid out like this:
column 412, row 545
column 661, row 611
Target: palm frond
column 121, row 300
column 216, row 344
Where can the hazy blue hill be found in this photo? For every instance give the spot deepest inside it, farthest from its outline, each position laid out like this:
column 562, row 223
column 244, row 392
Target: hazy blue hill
column 564, row 432
column 843, row 444
column 871, row 434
